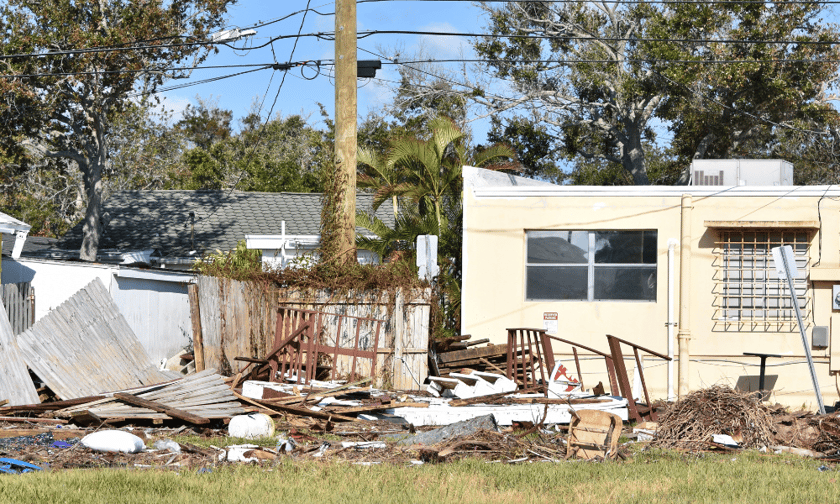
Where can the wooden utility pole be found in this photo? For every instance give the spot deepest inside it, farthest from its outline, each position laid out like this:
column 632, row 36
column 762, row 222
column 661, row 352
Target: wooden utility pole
column 345, row 127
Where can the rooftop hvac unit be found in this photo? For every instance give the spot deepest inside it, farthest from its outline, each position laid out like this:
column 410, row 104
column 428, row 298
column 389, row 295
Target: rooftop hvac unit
column 741, row 172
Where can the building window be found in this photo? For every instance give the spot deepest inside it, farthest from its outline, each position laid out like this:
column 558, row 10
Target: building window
column 590, row 266
column 749, row 295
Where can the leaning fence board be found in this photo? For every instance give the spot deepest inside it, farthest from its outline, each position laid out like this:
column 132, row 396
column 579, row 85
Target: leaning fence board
column 15, row 385
column 85, row 346
column 19, row 302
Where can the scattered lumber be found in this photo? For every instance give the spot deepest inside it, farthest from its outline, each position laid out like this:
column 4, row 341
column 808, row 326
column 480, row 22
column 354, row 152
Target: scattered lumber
column 458, row 352
column 377, row 407
column 200, row 395
column 300, row 411
column 162, row 408
column 34, row 431
column 50, row 406
column 14, row 419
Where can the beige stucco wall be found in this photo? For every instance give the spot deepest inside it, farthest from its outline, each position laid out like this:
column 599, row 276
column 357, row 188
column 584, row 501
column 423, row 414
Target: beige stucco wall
column 493, row 297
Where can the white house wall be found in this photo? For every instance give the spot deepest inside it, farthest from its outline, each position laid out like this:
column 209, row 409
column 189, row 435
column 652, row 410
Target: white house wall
column 157, row 311
column 54, row 281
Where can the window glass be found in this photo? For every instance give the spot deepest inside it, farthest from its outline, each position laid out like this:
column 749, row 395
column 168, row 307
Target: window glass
column 749, row 294
column 591, row 265
column 557, row 282
column 613, row 282
column 625, row 247
column 569, row 247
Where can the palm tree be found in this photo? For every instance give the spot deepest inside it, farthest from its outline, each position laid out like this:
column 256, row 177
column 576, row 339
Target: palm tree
column 424, row 172
column 378, row 174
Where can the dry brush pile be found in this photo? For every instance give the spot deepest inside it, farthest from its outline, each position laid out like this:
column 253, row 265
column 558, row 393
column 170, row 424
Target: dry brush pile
column 690, row 423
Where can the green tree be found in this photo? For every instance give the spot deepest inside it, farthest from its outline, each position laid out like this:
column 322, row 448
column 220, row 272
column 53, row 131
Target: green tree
column 729, row 79
column 425, row 176
column 87, row 58
column 534, row 145
column 430, row 170
column 577, row 69
column 205, row 123
column 284, row 154
column 767, row 91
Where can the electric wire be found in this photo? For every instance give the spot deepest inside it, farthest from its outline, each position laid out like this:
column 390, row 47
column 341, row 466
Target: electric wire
column 369, row 33
column 631, row 2
column 270, row 112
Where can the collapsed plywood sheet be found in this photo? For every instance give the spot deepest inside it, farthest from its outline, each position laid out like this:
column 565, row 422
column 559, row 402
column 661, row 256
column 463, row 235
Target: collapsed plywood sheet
column 85, row 347
column 204, row 394
column 15, row 386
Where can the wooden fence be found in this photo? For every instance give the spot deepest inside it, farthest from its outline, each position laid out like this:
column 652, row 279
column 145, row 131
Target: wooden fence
column 237, row 319
column 19, row 301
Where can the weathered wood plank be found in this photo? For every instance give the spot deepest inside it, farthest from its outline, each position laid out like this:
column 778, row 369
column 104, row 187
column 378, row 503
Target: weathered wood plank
column 162, row 408
column 16, row 386
column 195, row 316
column 473, row 353
column 84, row 347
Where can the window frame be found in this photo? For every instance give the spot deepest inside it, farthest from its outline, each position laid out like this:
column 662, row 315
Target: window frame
column 748, row 295
column 591, row 265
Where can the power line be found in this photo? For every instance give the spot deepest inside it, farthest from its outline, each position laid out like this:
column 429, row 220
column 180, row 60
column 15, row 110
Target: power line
column 277, row 95
column 261, row 66
column 319, row 63
column 131, row 46
column 369, row 33
column 607, row 61
column 302, row 11
column 196, row 83
column 633, row 2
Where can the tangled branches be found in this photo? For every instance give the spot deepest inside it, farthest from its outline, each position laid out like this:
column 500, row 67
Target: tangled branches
column 690, row 423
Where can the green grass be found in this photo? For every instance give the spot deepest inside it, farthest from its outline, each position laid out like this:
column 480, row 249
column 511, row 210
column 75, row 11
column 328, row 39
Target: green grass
column 648, row 478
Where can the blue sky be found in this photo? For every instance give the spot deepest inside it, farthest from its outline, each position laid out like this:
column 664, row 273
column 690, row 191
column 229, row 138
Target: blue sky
column 301, row 96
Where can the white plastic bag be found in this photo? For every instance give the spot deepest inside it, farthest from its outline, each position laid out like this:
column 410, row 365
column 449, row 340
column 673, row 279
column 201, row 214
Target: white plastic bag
column 114, row 441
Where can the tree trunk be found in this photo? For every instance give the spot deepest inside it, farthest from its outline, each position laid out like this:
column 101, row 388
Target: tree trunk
column 92, row 174
column 633, row 156
column 699, row 153
column 92, row 229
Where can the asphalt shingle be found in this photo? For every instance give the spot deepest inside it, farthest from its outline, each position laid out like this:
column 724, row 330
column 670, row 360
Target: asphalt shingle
column 143, row 220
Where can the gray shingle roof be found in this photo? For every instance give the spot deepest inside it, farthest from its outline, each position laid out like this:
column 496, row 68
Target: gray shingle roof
column 33, row 244
column 143, row 220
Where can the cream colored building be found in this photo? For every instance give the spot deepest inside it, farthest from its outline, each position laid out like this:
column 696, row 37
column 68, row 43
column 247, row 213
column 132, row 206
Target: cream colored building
column 651, row 264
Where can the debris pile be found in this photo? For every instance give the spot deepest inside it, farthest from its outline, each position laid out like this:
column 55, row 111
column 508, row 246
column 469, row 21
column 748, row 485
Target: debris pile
column 456, row 352
column 691, row 423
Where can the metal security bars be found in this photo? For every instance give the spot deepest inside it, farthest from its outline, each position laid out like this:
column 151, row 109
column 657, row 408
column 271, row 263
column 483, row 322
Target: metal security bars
column 749, row 295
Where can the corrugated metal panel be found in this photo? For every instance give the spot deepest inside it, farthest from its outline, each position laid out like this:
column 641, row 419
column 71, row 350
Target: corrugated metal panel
column 85, row 347
column 158, row 312
column 15, row 385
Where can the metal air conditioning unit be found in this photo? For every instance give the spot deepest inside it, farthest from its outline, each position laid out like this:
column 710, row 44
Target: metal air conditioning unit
column 741, row 172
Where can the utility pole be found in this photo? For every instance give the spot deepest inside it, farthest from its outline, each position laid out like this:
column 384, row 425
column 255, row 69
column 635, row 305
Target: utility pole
column 345, row 128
